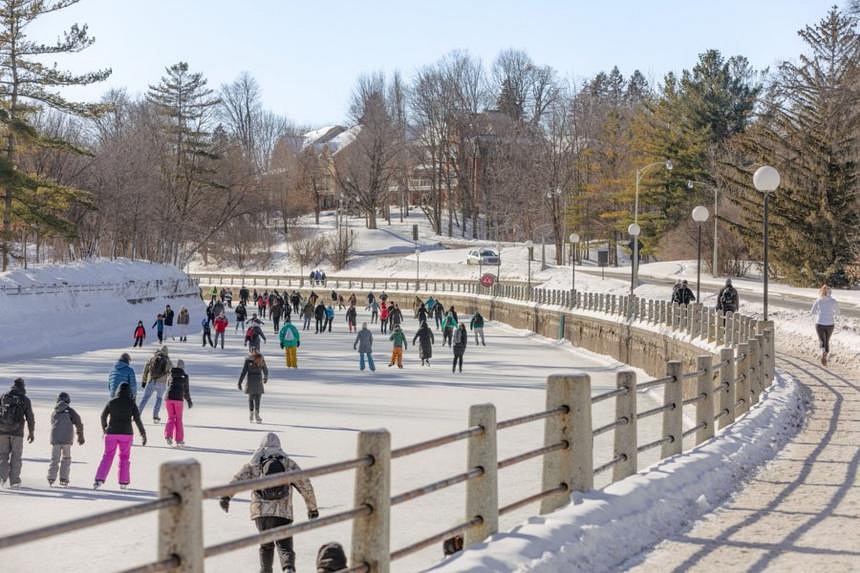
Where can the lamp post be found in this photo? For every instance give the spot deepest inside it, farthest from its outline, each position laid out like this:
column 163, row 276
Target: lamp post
column 633, row 229
column 715, row 262
column 639, row 174
column 417, row 268
column 574, row 240
column 499, row 262
column 530, row 245
column 766, row 180
column 700, row 215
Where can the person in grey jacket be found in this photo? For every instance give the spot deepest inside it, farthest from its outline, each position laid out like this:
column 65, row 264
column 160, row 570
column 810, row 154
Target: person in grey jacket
column 257, row 374
column 65, row 422
column 19, row 411
column 364, row 344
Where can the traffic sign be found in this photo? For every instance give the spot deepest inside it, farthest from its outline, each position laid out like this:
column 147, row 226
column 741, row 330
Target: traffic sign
column 488, row 280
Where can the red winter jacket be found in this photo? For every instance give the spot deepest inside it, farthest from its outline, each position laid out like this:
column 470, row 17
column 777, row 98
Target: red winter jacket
column 383, row 312
column 220, row 324
column 139, row 332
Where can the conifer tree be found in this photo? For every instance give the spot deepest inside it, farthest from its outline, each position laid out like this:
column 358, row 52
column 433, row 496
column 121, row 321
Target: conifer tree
column 27, row 85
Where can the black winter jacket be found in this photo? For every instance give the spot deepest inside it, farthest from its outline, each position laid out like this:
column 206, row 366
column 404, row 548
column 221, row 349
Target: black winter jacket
column 119, row 414
column 177, row 386
column 25, row 410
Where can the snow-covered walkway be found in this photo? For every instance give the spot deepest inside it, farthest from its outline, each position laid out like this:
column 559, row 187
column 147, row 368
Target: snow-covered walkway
column 801, row 512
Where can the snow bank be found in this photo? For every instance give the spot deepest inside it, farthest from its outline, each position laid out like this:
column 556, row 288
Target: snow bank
column 603, row 530
column 65, row 309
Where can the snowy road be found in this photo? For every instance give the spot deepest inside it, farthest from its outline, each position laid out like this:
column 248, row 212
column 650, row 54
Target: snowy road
column 317, row 411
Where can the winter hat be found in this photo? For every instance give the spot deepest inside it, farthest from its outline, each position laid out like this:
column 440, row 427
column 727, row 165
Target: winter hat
column 728, row 282
column 331, row 557
column 180, row 364
column 19, row 384
column 164, row 350
column 64, row 397
column 125, row 358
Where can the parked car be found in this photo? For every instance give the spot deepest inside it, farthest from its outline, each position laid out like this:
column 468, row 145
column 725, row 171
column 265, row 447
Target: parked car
column 482, row 256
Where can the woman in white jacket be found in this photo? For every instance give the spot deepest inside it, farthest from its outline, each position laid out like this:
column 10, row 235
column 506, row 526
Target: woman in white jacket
column 825, row 310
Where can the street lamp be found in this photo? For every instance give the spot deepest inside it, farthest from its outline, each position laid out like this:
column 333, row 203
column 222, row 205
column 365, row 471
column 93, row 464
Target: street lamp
column 574, row 240
column 633, row 229
column 417, row 268
column 700, row 215
column 715, row 263
column 766, row 180
column 530, row 245
column 499, row 262
column 639, row 174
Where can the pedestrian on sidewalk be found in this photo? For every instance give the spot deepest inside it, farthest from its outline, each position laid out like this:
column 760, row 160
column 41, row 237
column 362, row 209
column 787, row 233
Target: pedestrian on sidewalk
column 178, row 389
column 15, row 411
column 255, row 374
column 477, row 325
column 825, row 309
column 424, row 337
column 290, row 341
column 727, row 300
column 461, row 337
column 273, row 507
column 139, row 334
column 155, row 375
column 116, row 419
column 364, row 344
column 399, row 340
column 122, row 373
column 65, row 422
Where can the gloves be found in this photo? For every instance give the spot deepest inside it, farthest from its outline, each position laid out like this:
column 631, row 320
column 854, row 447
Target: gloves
column 143, row 385
column 282, row 346
column 299, row 343
column 30, row 438
column 240, row 385
column 313, row 514
column 81, row 440
column 224, row 502
column 265, row 380
column 143, row 439
column 190, row 404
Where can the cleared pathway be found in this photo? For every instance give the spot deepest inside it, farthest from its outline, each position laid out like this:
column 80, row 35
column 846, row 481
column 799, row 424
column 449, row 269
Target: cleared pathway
column 802, row 510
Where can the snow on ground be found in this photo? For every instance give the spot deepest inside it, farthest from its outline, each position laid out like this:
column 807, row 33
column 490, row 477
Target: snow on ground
column 71, row 318
column 603, row 529
column 317, row 410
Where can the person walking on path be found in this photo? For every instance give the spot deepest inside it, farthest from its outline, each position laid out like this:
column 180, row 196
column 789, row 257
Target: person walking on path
column 825, row 309
column 424, row 337
column 727, row 300
column 307, row 315
column 182, row 322
column 461, row 337
column 207, row 333
column 116, row 419
column 15, row 411
column 253, row 336
column 477, row 325
column 399, row 340
column 65, row 422
column 683, row 295
column 168, row 322
column 351, row 317
column 255, row 374
column 155, row 375
column 273, row 507
column 177, row 391
column 220, row 328
column 449, row 325
column 383, row 318
column 364, row 344
column 241, row 314
column 139, row 334
column 122, row 373
column 158, row 325
column 290, row 341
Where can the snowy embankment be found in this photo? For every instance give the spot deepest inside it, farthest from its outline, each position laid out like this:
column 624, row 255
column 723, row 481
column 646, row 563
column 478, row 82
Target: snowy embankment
column 65, row 309
column 605, row 530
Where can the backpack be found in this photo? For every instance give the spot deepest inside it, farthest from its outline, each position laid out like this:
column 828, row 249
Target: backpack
column 11, row 413
column 727, row 299
column 249, row 334
column 268, row 467
column 159, row 367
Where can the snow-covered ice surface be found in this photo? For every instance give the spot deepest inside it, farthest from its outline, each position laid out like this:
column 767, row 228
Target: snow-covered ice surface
column 317, row 410
column 604, row 530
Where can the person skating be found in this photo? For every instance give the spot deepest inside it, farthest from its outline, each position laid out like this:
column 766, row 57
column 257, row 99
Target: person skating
column 15, row 411
column 210, row 313
column 424, row 337
column 399, row 341
column 217, row 308
column 253, row 337
column 276, row 311
column 383, row 296
column 220, row 328
column 341, row 303
column 158, row 325
column 461, row 337
column 178, row 389
column 351, row 318
column 395, row 316
column 383, row 318
column 122, row 373
column 825, row 309
column 319, row 316
column 182, row 322
column 371, row 298
column 373, row 307
column 139, row 334
column 421, row 313
column 453, row 312
column 364, row 344
column 683, row 295
column 262, row 303
column 255, row 374
column 313, row 298
column 727, row 300
column 296, row 300
column 207, row 333
column 353, row 300
column 241, row 314
column 307, row 315
column 438, row 315
column 155, row 375
column 243, row 295
column 290, row 341
column 449, row 325
column 168, row 322
column 116, row 419
column 228, row 298
column 329, row 318
column 273, row 507
column 65, row 423
column 477, row 325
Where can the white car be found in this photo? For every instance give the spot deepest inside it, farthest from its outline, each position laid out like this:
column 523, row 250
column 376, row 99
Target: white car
column 482, row 256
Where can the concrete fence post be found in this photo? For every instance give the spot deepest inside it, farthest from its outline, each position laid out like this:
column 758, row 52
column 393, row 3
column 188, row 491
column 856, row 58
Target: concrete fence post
column 766, row 328
column 371, row 533
column 727, row 387
column 742, row 387
column 720, row 330
column 754, row 370
column 705, row 406
column 690, row 316
column 676, row 316
column 761, row 372
column 574, row 465
column 650, row 310
column 613, row 304
column 180, row 528
column 482, row 493
column 673, row 419
column 625, row 435
column 696, row 327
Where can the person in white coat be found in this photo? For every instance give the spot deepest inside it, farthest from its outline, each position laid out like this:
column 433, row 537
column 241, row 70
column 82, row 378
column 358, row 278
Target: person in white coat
column 825, row 309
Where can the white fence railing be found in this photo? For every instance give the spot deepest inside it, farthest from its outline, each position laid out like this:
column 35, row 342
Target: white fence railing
column 131, row 289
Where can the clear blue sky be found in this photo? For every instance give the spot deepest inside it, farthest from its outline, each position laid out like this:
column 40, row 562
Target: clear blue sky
column 307, row 54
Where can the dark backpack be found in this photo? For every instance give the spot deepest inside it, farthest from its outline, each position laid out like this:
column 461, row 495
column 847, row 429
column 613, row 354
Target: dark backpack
column 727, row 299
column 268, row 467
column 11, row 413
column 159, row 367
